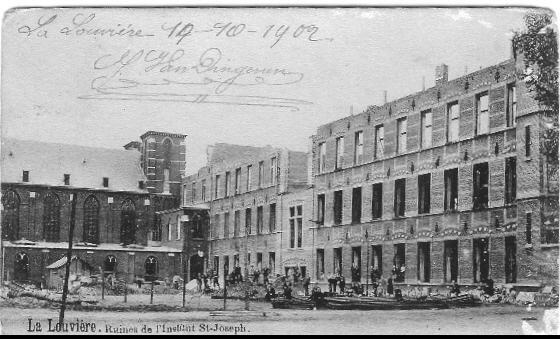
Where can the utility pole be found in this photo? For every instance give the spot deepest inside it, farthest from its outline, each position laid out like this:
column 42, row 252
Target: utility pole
column 367, row 263
column 73, row 198
column 225, row 287
column 247, row 270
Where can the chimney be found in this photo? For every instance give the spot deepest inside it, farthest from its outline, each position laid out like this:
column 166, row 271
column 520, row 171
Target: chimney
column 384, row 97
column 423, row 82
column 442, row 74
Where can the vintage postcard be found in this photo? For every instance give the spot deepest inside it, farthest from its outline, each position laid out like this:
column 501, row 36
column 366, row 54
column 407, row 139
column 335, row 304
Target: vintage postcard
column 279, row 170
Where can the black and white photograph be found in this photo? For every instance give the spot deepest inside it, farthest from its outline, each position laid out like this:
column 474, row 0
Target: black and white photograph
column 288, row 169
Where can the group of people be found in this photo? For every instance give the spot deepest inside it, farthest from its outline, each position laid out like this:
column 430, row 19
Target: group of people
column 256, row 276
column 203, row 281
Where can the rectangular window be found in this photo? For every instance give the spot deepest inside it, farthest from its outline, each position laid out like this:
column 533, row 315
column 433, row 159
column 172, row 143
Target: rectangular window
column 322, row 156
column 377, row 201
column 228, row 184
column 259, row 261
column 358, row 148
column 424, row 188
column 296, row 226
column 236, row 223
column 379, row 142
column 451, row 182
column 178, row 232
column 248, row 184
column 141, row 184
column 203, row 194
column 226, row 265
column 226, row 225
column 453, row 122
column 424, row 263
column 339, row 153
column 193, row 190
column 480, row 186
column 337, row 261
column 529, row 228
column 401, row 135
column 482, row 117
column 528, row 140
column 400, row 186
column 66, row 179
column 292, row 222
column 260, row 220
column 272, row 262
column 337, row 208
column 377, row 258
column 216, row 186
column 105, row 182
column 320, row 209
column 248, row 221
column 399, row 261
column 169, row 231
column 450, row 261
column 356, row 205
column 481, row 262
column 261, row 174
column 273, row 172
column 237, row 181
column 511, row 106
column 272, row 218
column 511, row 180
column 320, row 264
column 299, row 226
column 426, row 136
column 511, row 260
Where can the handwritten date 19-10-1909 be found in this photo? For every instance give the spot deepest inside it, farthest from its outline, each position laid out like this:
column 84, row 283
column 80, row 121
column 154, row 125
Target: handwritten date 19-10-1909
column 180, row 31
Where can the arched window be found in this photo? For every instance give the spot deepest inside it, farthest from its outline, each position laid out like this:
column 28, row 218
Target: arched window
column 166, row 164
column 151, row 266
column 91, row 220
column 51, row 218
column 128, row 222
column 10, row 216
column 167, row 153
column 21, row 267
column 110, row 263
column 156, row 232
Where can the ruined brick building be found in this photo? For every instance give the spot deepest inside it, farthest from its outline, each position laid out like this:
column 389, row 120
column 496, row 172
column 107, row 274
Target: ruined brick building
column 256, row 199
column 115, row 193
column 443, row 185
column 447, row 184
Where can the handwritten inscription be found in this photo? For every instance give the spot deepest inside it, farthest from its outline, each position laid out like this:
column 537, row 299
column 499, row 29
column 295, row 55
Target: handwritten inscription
column 175, row 75
column 159, row 75
column 85, row 25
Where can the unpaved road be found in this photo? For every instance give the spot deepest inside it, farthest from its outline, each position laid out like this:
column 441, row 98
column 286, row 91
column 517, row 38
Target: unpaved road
column 487, row 319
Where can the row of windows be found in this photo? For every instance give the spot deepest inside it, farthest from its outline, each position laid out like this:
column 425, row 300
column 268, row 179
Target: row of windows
column 22, row 269
column 482, row 124
column 51, row 218
column 450, row 264
column 238, row 181
column 248, row 221
column 451, row 183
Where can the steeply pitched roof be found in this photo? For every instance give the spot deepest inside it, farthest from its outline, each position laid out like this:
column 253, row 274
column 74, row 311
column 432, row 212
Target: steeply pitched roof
column 48, row 162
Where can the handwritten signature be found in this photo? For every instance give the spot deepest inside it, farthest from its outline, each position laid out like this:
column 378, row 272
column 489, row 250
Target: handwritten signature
column 166, row 75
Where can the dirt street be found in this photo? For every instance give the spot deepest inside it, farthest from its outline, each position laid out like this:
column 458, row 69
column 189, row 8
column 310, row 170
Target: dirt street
column 486, row 319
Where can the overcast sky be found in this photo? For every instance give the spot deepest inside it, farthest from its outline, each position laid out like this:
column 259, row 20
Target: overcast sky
column 347, row 59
